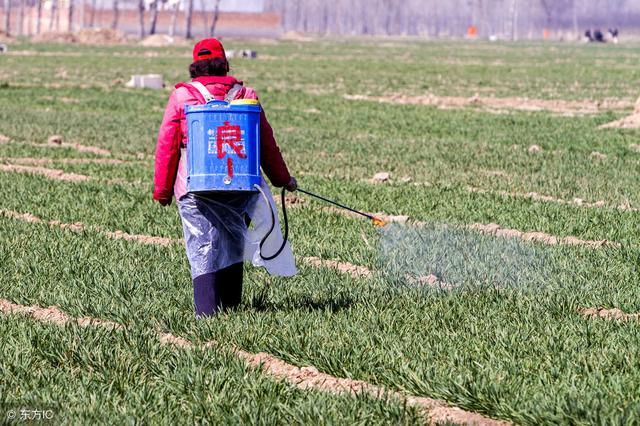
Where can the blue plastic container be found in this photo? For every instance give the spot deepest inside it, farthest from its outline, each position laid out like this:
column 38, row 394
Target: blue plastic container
column 223, row 146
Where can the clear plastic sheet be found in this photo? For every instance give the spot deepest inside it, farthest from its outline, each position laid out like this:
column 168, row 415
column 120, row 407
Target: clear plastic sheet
column 284, row 265
column 216, row 233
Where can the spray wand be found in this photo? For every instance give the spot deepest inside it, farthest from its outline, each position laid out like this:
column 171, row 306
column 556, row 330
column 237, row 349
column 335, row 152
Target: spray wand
column 376, row 221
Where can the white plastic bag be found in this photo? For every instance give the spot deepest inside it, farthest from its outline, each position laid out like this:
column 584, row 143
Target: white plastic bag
column 284, row 264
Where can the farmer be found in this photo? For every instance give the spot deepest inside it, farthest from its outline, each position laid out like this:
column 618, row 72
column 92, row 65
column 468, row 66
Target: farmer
column 214, row 224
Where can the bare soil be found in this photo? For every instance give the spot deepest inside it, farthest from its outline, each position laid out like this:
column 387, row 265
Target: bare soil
column 630, row 122
column 79, row 227
column 389, row 218
column 430, row 281
column 56, row 141
column 436, row 411
column 596, row 155
column 497, row 230
column 87, row 148
column 100, row 36
column 381, row 177
column 54, row 174
column 162, row 40
column 355, row 271
column 579, row 202
column 493, row 104
column 42, row 160
column 609, row 314
column 145, row 239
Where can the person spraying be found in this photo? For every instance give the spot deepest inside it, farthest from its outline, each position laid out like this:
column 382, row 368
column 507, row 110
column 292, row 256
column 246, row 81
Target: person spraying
column 216, row 220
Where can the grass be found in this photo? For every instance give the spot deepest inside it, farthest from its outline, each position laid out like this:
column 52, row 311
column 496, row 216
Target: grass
column 520, row 353
column 113, row 377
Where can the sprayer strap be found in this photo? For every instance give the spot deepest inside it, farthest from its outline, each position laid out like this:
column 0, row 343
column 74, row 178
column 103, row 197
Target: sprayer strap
column 231, row 94
column 208, row 97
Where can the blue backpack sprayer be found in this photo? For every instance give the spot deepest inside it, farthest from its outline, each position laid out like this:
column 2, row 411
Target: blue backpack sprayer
column 223, row 152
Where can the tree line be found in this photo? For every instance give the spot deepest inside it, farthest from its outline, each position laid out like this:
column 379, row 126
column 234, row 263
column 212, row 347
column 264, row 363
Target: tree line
column 505, row 18
column 454, row 18
column 148, row 11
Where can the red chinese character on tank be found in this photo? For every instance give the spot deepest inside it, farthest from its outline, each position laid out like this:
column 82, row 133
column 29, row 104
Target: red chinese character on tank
column 230, row 135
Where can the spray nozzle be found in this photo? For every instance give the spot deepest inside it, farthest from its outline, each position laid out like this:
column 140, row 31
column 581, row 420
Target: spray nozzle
column 378, row 222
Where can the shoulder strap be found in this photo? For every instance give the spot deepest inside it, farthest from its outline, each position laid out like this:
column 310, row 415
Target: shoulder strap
column 231, row 94
column 208, row 97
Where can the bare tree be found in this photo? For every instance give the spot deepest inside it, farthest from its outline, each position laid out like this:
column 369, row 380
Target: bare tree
column 154, row 16
column 92, row 17
column 507, row 18
column 7, row 17
column 70, row 16
column 216, row 15
column 82, row 11
column 53, row 14
column 574, row 16
column 116, row 15
column 39, row 16
column 514, row 20
column 554, row 9
column 141, row 17
column 21, row 18
column 174, row 19
column 188, row 19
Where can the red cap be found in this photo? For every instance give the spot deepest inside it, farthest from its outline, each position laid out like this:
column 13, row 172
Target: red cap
column 208, row 48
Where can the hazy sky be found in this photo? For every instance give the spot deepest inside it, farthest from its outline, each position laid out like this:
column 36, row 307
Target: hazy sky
column 242, row 5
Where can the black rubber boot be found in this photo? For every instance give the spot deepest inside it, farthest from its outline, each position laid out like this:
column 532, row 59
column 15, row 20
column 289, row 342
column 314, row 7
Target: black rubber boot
column 216, row 290
column 205, row 296
column 229, row 285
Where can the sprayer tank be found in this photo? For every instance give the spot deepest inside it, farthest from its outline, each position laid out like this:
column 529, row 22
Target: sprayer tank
column 223, row 146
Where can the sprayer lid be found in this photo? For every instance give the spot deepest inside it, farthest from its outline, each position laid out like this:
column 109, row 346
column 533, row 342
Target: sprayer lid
column 245, row 102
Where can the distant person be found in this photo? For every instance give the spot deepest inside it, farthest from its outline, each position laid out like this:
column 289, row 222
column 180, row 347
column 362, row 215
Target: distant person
column 598, row 36
column 215, row 223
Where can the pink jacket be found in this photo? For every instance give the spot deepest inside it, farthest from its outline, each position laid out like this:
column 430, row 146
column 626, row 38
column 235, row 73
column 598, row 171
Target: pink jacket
column 171, row 168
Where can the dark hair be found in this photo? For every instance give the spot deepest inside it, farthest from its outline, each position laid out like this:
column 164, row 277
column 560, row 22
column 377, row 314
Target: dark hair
column 211, row 66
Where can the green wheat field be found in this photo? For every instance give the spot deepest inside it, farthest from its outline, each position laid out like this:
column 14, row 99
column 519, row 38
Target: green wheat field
column 342, row 111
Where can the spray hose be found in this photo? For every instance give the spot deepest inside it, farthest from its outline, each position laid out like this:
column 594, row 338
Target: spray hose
column 273, row 224
column 376, row 221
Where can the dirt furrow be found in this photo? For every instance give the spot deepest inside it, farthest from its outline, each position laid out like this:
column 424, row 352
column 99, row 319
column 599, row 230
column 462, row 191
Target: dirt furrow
column 541, row 237
column 358, row 271
column 59, row 144
column 500, row 105
column 609, row 314
column 35, row 161
column 55, row 174
column 79, row 227
column 435, row 411
column 579, row 202
column 355, row 271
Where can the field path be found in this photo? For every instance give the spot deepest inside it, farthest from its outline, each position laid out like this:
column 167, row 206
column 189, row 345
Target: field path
column 434, row 411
